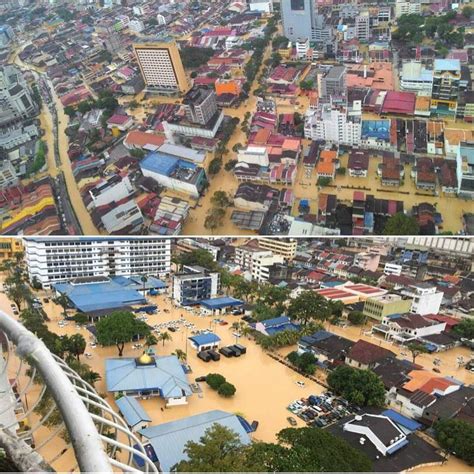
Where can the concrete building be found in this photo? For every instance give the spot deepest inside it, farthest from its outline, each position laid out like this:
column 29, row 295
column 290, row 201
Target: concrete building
column 174, row 173
column 161, row 68
column 333, row 124
column 195, row 284
column 256, row 155
column 367, row 261
column 298, row 17
column 64, row 258
column 426, row 298
column 465, row 170
column 362, row 26
column 415, row 77
column 200, row 105
column 8, row 175
column 10, row 247
column 333, row 83
column 124, row 218
column 6, row 35
column 16, row 102
column 284, row 247
column 257, row 261
column 263, row 6
column 404, row 7
column 391, row 268
column 114, row 188
column 380, row 307
column 446, row 79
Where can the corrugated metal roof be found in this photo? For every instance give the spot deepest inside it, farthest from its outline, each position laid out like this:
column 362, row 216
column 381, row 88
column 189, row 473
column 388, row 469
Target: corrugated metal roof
column 132, row 411
column 218, row 303
column 167, row 376
column 202, row 339
column 169, row 439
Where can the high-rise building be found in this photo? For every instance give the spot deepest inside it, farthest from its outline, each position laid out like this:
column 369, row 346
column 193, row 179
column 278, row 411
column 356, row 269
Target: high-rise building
column 9, row 247
column 298, row 18
column 161, row 68
column 200, row 105
column 333, row 84
column 284, row 247
column 445, row 91
column 61, row 259
column 16, row 102
column 404, row 7
column 195, row 284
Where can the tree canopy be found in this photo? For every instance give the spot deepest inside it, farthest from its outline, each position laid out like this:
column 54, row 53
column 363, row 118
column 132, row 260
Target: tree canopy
column 309, row 306
column 401, row 224
column 118, row 328
column 298, row 449
column 362, row 387
column 194, row 57
column 199, row 257
column 465, row 328
column 456, row 436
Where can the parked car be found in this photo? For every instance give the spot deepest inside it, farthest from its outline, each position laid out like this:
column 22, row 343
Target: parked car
column 292, row 421
column 171, row 329
column 202, row 378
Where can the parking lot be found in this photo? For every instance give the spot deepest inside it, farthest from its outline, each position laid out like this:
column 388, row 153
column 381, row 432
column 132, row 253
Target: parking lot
column 320, row 410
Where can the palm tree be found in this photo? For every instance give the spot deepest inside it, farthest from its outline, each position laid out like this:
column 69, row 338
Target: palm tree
column 144, row 279
column 165, row 336
column 63, row 301
column 151, row 340
column 181, row 355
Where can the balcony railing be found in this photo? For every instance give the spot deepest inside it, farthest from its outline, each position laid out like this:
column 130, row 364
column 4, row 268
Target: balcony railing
column 100, row 439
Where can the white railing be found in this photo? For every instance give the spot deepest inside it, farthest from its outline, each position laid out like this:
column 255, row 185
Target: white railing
column 100, row 439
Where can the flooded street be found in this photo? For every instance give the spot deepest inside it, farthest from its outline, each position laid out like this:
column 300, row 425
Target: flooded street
column 264, row 386
column 47, row 123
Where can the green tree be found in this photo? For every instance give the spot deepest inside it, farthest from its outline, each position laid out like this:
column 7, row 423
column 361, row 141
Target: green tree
column 36, row 284
column 401, row 224
column 118, row 328
column 194, row 57
column 309, row 306
column 362, row 387
column 307, row 85
column 80, row 318
column 164, row 337
column 199, row 257
column 457, row 437
column 465, row 328
column 215, row 166
column 218, row 450
column 230, row 165
column 357, row 318
column 76, row 345
column 84, row 107
column 215, row 380
column 137, row 153
column 308, row 450
column 63, row 301
column 70, row 111
column 151, row 340
column 221, row 199
column 467, row 11
column 416, row 349
column 226, row 390
column 306, row 362
column 181, row 355
column 214, row 218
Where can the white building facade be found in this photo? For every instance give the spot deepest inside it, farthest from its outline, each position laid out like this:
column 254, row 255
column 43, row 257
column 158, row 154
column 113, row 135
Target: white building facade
column 62, row 259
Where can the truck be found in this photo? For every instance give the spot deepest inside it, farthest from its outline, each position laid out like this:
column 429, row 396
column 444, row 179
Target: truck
column 205, row 356
column 214, row 355
column 226, row 352
column 241, row 348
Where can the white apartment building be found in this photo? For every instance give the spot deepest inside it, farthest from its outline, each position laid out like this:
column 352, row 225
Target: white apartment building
column 362, row 26
column 415, row 77
column 59, row 259
column 263, row 6
column 334, row 125
column 392, row 269
column 426, row 298
column 114, row 188
column 458, row 245
column 302, row 47
column 403, row 7
column 195, row 284
column 257, row 261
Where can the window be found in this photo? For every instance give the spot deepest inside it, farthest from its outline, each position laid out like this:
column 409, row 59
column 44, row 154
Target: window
column 297, row 5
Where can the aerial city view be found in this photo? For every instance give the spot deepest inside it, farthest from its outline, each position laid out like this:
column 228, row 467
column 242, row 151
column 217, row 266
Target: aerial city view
column 180, row 117
column 237, row 354
column 236, row 236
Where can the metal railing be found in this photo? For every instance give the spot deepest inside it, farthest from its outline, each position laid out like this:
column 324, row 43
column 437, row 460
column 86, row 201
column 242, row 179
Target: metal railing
column 100, row 439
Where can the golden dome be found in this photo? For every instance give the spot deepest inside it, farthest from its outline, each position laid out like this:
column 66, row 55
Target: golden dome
column 145, row 359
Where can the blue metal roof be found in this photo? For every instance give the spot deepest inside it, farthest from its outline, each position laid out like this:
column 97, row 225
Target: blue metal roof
column 164, row 164
column 169, row 439
column 203, row 339
column 167, row 376
column 88, row 297
column 132, row 411
column 447, row 65
column 399, row 419
column 379, row 129
column 219, row 303
column 276, row 321
column 135, row 282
